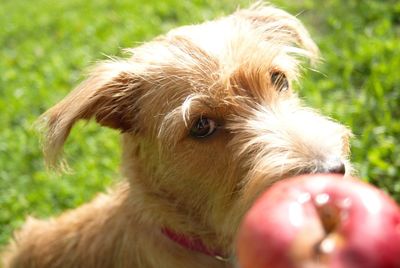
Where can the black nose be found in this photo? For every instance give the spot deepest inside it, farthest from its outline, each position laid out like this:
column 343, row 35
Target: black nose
column 338, row 168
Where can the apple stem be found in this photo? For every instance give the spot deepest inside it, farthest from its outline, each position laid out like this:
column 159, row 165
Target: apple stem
column 329, row 216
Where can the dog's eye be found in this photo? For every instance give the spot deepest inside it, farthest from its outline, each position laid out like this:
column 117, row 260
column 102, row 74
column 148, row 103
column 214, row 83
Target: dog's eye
column 280, row 81
column 203, row 127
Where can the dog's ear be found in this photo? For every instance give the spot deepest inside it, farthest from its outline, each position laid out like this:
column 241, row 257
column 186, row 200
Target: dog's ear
column 280, row 25
column 108, row 95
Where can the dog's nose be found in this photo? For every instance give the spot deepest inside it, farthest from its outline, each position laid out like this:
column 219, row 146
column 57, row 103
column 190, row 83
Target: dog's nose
column 338, row 168
column 334, row 165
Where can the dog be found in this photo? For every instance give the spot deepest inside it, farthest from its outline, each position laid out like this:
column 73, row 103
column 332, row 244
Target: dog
column 209, row 119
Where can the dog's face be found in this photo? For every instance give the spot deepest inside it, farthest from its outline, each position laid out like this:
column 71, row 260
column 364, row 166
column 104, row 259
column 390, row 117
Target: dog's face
column 209, row 118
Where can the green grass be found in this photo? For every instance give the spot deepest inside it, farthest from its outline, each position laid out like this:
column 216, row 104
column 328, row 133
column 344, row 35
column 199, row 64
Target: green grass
column 45, row 46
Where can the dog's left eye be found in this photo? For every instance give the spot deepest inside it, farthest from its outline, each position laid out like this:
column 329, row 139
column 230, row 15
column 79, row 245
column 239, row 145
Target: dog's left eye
column 280, row 81
column 203, row 127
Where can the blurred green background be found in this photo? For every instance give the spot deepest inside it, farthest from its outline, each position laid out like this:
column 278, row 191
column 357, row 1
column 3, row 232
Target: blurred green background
column 45, row 45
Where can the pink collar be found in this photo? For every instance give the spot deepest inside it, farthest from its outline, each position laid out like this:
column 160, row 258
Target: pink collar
column 193, row 243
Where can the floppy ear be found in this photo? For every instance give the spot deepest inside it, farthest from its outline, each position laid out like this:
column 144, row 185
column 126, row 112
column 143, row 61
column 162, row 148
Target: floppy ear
column 109, row 95
column 280, row 25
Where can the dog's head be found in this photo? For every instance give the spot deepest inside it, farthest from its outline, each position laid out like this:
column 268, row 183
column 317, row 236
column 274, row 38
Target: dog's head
column 209, row 118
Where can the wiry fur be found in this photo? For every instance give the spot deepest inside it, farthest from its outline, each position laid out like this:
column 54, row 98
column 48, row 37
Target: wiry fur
column 199, row 187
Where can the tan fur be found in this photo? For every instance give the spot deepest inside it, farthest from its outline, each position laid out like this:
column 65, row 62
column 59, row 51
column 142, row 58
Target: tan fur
column 222, row 70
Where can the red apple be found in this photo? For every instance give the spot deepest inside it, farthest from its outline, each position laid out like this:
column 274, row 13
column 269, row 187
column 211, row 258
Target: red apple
column 316, row 221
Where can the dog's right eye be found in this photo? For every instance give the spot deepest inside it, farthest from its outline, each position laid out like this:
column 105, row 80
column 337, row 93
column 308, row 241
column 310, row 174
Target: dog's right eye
column 203, row 127
column 280, row 81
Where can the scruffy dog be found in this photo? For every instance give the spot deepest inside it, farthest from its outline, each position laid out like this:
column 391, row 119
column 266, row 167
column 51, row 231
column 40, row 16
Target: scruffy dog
column 208, row 121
